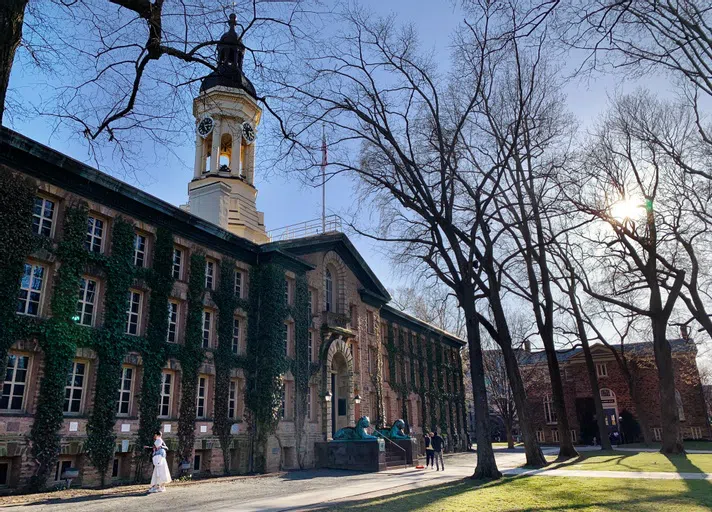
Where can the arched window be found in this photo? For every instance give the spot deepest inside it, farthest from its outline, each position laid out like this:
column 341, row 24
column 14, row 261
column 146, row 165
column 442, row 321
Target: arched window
column 328, row 291
column 680, row 409
column 225, row 153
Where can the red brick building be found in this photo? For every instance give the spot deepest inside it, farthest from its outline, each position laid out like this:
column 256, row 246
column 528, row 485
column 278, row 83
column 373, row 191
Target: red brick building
column 614, row 390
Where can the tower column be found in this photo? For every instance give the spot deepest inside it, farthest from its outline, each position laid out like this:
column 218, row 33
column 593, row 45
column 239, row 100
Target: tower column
column 215, row 153
column 235, row 150
column 249, row 164
column 199, row 158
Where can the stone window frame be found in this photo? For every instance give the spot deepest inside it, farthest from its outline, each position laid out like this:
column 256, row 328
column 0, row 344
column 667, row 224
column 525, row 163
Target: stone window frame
column 13, row 381
column 210, row 273
column 549, row 411
column 140, row 253
column 201, row 394
column 82, row 390
column 82, row 303
column 163, row 395
column 601, row 370
column 122, row 391
column 43, row 220
column 90, row 243
column 131, row 314
column 29, row 289
column 177, row 266
column 173, row 325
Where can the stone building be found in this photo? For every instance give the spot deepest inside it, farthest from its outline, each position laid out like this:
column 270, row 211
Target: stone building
column 344, row 350
column 614, row 390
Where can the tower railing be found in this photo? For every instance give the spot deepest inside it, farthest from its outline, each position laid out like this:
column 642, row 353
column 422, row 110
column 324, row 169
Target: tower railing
column 330, row 224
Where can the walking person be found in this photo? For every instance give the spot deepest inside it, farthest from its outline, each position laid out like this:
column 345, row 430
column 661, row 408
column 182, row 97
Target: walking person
column 437, row 444
column 429, row 458
column 161, row 474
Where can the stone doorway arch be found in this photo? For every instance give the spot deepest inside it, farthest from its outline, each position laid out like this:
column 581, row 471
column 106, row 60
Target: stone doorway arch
column 337, row 379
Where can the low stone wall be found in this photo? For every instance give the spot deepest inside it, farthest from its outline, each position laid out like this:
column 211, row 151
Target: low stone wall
column 411, row 450
column 367, row 455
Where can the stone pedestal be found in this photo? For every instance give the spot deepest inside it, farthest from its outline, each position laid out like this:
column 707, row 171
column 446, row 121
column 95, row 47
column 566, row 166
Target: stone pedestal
column 411, row 450
column 367, row 455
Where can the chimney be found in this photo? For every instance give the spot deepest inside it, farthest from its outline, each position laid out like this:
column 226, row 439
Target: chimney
column 527, row 346
column 685, row 332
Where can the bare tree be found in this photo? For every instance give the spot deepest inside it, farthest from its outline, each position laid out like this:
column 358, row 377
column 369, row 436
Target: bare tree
column 619, row 184
column 643, row 36
column 532, row 132
column 499, row 390
column 432, row 304
column 567, row 281
column 425, row 163
column 125, row 71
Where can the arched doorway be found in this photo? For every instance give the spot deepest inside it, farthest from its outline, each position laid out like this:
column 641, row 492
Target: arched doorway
column 340, row 392
column 338, row 381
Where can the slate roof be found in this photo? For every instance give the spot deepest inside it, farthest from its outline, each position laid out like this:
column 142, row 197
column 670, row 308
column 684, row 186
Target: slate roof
column 644, row 348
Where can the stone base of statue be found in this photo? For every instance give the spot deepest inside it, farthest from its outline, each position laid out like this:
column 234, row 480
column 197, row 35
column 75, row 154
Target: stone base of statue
column 411, row 450
column 356, row 455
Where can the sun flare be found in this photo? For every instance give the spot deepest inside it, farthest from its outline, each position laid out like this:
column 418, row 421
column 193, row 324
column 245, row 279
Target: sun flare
column 627, row 209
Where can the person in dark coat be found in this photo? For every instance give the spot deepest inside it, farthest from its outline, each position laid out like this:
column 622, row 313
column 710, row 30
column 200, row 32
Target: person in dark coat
column 437, row 444
column 429, row 453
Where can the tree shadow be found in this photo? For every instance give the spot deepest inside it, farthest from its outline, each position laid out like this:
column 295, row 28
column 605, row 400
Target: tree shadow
column 617, row 496
column 76, row 499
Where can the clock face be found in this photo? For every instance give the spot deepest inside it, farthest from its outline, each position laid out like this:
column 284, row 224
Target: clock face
column 248, row 132
column 205, row 126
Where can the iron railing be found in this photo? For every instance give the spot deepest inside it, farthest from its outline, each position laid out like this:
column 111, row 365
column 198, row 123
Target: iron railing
column 330, row 224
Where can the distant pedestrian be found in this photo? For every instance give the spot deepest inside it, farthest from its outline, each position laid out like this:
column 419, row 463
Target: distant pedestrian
column 437, row 443
column 429, row 457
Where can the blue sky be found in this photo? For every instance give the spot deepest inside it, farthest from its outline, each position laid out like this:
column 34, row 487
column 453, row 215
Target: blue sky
column 283, row 199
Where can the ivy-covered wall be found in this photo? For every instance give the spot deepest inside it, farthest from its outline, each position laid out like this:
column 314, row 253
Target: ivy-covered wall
column 267, row 358
column 437, row 379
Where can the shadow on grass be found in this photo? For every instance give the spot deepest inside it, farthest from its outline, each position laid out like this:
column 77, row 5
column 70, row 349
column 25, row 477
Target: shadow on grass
column 536, row 493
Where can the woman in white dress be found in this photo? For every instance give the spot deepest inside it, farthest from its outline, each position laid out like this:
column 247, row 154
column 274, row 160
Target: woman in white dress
column 161, row 474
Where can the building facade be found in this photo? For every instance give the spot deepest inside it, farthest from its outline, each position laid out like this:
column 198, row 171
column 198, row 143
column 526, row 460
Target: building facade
column 615, row 391
column 243, row 351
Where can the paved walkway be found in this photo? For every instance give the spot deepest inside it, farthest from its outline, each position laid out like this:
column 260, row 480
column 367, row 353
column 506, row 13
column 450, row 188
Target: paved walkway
column 298, row 490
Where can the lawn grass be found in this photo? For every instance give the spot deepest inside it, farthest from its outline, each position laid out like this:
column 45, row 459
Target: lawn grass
column 689, row 445
column 504, row 445
column 638, row 461
column 520, row 494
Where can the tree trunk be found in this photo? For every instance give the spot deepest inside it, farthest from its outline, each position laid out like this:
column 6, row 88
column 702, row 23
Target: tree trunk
column 640, row 409
column 566, row 446
column 590, row 367
column 666, row 380
column 510, row 437
column 486, row 463
column 535, row 457
column 12, row 15
column 596, row 391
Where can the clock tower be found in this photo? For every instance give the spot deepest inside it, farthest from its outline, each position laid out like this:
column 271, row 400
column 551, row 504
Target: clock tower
column 222, row 190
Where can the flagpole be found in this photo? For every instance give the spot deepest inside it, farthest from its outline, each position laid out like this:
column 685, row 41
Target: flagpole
column 323, row 179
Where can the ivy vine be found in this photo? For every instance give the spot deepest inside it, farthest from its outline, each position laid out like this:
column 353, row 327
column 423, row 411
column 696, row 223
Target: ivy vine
column 191, row 356
column 16, row 242
column 266, row 355
column 59, row 344
column 154, row 353
column 227, row 302
column 111, row 344
column 302, row 368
